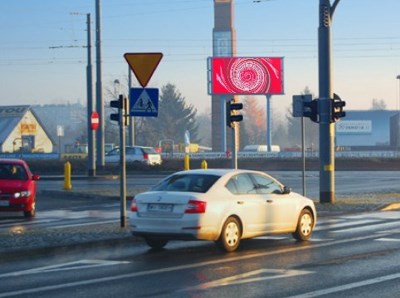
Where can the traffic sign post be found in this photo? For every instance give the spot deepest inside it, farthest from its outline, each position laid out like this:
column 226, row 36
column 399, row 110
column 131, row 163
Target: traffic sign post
column 143, row 66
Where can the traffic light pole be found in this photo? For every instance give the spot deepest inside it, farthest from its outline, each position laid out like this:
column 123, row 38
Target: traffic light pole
column 122, row 161
column 326, row 128
column 234, row 146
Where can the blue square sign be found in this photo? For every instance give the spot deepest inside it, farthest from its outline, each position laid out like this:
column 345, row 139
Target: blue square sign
column 143, row 102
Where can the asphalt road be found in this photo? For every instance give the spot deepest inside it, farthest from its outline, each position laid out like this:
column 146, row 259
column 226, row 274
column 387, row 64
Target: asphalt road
column 347, row 182
column 349, row 256
column 353, row 255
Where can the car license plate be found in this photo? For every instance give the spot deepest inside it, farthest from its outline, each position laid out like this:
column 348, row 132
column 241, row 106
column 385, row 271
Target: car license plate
column 159, row 207
column 4, row 203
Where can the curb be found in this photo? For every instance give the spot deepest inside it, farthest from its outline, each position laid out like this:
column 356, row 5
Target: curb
column 47, row 250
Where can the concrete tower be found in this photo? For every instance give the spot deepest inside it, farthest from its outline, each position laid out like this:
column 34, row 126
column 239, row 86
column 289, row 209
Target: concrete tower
column 224, row 45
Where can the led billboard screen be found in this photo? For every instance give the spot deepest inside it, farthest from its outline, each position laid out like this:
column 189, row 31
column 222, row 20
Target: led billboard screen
column 246, row 75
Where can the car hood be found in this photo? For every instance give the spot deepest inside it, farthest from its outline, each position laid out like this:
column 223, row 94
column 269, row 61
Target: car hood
column 7, row 186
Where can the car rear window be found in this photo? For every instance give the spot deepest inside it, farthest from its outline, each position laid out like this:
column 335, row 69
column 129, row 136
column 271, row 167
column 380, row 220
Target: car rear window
column 187, row 183
column 149, row 150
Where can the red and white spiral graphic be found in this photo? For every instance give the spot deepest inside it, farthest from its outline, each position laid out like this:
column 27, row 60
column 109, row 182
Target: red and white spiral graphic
column 249, row 75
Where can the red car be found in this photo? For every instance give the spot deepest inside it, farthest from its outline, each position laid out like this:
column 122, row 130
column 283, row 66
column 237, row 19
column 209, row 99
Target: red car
column 17, row 187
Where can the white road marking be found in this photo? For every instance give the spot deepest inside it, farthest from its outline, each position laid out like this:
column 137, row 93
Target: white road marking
column 252, row 276
column 366, row 228
column 83, row 224
column 271, row 237
column 388, row 239
column 81, row 264
column 344, row 224
column 349, row 286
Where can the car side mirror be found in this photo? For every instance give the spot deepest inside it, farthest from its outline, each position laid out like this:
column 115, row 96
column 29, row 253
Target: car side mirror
column 286, row 190
column 35, row 177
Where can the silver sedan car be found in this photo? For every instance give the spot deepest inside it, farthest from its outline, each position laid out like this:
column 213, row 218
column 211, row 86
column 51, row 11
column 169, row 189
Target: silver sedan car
column 220, row 205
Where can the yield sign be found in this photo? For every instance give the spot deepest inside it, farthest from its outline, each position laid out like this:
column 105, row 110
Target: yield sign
column 143, row 65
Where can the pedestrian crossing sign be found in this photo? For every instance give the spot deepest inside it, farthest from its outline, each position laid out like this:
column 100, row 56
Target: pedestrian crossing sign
column 143, row 102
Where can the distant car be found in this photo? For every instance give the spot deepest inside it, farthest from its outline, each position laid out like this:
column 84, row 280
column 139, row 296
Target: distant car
column 221, row 205
column 146, row 155
column 17, row 187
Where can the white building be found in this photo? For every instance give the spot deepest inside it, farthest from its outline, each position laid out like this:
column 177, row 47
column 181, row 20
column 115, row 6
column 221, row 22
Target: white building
column 22, row 131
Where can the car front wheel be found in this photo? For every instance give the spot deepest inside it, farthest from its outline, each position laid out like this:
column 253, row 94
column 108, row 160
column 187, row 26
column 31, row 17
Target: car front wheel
column 305, row 225
column 230, row 235
column 31, row 213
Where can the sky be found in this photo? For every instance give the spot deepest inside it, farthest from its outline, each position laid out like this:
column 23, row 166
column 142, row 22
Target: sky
column 43, row 56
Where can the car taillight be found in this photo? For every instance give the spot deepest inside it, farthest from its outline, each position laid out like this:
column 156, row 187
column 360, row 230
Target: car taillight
column 133, row 205
column 145, row 156
column 196, row 207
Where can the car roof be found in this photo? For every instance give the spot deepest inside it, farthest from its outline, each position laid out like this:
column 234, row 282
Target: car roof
column 218, row 172
column 12, row 161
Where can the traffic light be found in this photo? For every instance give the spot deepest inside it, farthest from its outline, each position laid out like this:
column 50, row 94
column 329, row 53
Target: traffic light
column 337, row 105
column 115, row 104
column 232, row 115
column 310, row 110
column 120, row 103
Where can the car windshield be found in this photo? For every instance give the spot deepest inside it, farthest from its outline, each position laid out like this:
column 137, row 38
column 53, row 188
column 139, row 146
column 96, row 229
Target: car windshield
column 12, row 172
column 187, row 183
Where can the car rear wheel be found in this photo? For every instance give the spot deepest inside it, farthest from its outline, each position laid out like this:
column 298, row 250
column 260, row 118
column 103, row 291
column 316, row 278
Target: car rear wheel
column 156, row 243
column 305, row 226
column 230, row 235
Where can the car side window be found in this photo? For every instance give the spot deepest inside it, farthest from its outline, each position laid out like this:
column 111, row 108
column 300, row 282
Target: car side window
column 266, row 185
column 244, row 184
column 231, row 187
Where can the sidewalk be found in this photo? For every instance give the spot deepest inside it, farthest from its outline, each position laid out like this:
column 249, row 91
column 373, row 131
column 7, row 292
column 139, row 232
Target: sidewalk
column 16, row 240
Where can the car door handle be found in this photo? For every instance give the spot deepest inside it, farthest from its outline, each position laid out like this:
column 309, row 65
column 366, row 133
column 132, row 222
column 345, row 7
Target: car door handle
column 270, row 201
column 240, row 202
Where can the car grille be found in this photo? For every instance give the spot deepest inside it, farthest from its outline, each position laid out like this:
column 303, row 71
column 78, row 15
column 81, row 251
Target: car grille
column 5, row 195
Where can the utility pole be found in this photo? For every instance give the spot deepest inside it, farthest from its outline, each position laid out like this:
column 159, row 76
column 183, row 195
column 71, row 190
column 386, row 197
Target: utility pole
column 99, row 91
column 90, row 103
column 326, row 128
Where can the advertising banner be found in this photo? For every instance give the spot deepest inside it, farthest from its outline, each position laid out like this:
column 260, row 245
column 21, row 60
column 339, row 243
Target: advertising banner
column 246, row 75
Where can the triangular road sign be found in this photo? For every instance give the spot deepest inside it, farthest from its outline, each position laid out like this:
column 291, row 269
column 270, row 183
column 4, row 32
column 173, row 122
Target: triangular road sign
column 143, row 65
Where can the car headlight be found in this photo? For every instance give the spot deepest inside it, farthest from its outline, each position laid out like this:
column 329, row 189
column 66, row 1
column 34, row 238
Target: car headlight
column 22, row 194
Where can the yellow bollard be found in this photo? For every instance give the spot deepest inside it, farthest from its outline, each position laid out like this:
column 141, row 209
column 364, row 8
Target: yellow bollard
column 186, row 162
column 204, row 165
column 67, row 176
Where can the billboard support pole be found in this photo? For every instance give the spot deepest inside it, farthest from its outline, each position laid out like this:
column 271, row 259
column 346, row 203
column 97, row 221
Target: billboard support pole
column 268, row 112
column 223, row 126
